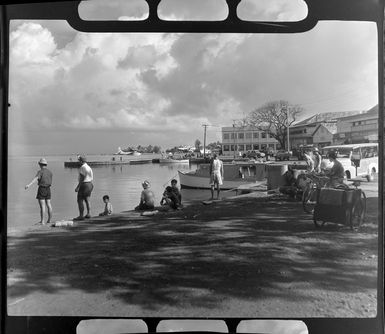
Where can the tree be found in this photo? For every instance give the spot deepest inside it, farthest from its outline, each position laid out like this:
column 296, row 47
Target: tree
column 197, row 145
column 157, row 149
column 273, row 118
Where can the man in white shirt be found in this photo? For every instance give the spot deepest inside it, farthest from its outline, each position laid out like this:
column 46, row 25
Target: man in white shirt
column 216, row 175
column 84, row 188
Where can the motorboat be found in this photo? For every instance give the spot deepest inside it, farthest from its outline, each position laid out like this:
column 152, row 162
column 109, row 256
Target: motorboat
column 235, row 175
column 180, row 159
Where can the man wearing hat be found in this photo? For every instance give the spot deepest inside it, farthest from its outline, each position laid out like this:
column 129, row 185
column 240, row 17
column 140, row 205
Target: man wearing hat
column 44, row 180
column 84, row 188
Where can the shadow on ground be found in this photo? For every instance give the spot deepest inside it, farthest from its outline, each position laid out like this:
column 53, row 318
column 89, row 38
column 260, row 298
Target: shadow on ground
column 199, row 256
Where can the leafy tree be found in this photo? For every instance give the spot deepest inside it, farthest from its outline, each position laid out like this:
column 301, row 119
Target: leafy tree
column 273, row 118
column 197, row 144
column 157, row 149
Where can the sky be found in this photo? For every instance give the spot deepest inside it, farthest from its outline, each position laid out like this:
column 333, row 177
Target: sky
column 72, row 92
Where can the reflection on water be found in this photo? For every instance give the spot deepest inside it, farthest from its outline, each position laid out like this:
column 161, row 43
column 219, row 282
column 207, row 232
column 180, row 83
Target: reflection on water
column 122, row 183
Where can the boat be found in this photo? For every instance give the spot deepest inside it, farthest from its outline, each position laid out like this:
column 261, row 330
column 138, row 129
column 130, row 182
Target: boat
column 175, row 158
column 128, row 151
column 235, row 175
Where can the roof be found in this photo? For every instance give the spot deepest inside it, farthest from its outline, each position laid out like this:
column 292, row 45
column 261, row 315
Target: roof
column 352, row 146
column 326, row 117
column 373, row 112
column 331, row 127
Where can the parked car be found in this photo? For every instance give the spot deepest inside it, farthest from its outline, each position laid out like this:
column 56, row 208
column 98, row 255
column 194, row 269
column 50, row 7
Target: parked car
column 283, row 155
column 255, row 154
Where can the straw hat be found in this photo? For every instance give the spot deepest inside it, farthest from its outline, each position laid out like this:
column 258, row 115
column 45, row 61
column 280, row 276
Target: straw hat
column 42, row 161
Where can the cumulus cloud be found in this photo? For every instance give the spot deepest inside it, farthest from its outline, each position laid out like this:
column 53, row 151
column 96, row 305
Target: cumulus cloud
column 163, row 82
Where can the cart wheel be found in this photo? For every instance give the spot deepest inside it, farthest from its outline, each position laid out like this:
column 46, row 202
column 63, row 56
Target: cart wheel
column 309, row 200
column 358, row 212
column 318, row 223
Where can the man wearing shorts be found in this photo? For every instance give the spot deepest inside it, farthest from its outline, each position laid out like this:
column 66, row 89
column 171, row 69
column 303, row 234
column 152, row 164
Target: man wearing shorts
column 216, row 175
column 44, row 180
column 84, row 188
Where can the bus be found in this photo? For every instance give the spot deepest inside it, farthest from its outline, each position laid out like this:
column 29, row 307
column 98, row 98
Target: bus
column 359, row 160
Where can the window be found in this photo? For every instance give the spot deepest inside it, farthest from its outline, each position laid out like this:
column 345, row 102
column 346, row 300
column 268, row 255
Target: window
column 231, row 147
column 256, row 147
column 226, row 148
column 232, row 135
column 241, row 147
column 255, row 135
column 263, row 135
column 226, row 136
column 241, row 135
column 248, row 135
column 248, row 147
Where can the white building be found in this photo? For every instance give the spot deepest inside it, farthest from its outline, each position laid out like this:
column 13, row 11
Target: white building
column 238, row 140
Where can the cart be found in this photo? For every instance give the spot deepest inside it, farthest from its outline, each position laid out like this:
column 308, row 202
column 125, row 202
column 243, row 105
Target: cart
column 340, row 206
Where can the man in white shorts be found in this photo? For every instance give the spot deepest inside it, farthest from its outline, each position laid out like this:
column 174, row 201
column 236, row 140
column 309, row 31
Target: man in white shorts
column 84, row 188
column 216, row 175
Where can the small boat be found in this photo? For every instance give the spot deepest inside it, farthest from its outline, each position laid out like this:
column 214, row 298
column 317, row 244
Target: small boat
column 173, row 160
column 179, row 159
column 128, row 151
column 235, row 175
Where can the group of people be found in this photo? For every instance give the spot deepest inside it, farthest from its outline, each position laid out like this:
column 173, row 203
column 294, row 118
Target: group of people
column 171, row 199
column 83, row 189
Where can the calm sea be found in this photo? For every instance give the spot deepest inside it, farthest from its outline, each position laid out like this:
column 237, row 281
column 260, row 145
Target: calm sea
column 122, row 183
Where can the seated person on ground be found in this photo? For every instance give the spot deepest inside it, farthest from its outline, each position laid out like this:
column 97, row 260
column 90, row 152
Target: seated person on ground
column 107, row 206
column 147, row 198
column 176, row 190
column 170, row 199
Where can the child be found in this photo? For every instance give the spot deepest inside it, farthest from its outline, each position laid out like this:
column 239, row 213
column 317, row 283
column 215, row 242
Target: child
column 176, row 190
column 147, row 198
column 107, row 207
column 44, row 180
column 169, row 199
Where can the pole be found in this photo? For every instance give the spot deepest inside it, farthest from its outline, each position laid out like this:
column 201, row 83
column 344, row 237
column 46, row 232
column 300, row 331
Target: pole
column 204, row 141
column 288, row 140
column 234, row 138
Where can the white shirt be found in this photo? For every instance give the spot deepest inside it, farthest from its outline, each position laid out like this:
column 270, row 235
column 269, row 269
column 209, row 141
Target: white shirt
column 86, row 171
column 217, row 166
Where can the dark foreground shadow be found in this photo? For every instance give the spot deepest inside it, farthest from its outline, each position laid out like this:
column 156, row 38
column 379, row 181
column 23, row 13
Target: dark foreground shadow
column 198, row 256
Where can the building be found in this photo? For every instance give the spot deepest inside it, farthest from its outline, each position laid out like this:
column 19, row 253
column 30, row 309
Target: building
column 318, row 130
column 360, row 128
column 238, row 140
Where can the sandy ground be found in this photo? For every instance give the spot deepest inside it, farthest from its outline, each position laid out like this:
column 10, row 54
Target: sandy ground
column 240, row 257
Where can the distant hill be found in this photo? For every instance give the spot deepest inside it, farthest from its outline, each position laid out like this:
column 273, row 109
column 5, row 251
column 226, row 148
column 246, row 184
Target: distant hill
column 327, row 117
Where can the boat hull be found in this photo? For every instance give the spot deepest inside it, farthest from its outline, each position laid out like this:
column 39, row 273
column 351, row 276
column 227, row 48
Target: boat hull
column 174, row 161
column 190, row 181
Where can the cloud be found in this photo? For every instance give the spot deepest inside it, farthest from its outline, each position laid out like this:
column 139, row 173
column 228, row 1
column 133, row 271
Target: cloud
column 173, row 83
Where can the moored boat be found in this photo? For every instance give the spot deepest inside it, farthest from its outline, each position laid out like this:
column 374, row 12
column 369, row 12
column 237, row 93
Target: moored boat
column 173, row 160
column 235, row 174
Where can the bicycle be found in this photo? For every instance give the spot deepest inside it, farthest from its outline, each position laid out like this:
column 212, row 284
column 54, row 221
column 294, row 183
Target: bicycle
column 309, row 195
column 355, row 206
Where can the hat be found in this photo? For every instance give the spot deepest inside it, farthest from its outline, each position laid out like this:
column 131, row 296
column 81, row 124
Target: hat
column 315, row 149
column 82, row 158
column 42, row 161
column 146, row 184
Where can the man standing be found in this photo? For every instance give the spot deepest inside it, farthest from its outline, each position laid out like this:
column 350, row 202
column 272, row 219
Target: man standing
column 84, row 188
column 44, row 180
column 317, row 160
column 216, row 175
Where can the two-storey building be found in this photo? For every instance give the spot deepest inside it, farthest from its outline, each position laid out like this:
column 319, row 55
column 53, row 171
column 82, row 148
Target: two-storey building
column 360, row 128
column 238, row 140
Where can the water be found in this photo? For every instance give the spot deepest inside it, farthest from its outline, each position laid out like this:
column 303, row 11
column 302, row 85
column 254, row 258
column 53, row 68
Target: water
column 121, row 183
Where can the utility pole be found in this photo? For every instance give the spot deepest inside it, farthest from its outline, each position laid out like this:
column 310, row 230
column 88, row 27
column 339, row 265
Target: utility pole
column 204, row 140
column 287, row 116
column 234, row 137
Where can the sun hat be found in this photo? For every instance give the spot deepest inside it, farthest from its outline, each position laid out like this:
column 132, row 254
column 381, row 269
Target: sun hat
column 82, row 158
column 42, row 161
column 145, row 184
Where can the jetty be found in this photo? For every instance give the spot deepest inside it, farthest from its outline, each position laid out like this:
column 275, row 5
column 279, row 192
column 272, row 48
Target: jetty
column 76, row 164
